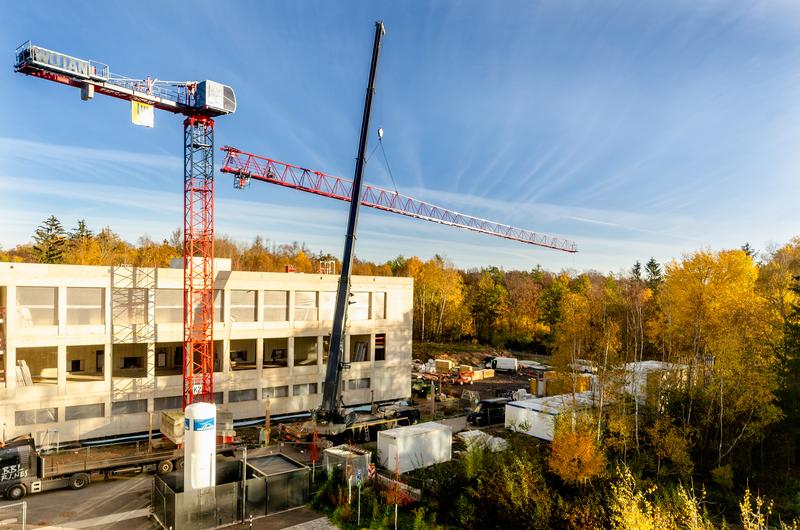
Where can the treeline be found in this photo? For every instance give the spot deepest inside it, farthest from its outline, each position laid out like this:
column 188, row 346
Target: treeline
column 52, row 243
column 730, row 418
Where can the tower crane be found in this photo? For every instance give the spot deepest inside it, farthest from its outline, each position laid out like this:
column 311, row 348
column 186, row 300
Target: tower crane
column 247, row 166
column 200, row 102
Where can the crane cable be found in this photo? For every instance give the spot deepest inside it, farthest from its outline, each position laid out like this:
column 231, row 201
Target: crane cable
column 386, row 160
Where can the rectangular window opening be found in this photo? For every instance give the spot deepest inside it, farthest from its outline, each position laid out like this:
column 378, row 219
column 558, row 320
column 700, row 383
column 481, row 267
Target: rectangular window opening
column 380, row 346
column 276, row 306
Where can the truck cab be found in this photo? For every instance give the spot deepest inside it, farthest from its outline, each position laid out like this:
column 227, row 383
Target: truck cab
column 19, row 467
column 488, row 412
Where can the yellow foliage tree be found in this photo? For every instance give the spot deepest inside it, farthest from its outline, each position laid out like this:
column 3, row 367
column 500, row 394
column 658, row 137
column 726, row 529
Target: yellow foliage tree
column 715, row 321
column 575, row 454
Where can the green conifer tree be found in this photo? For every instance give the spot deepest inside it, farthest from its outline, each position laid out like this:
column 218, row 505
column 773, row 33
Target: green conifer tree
column 49, row 241
column 654, row 274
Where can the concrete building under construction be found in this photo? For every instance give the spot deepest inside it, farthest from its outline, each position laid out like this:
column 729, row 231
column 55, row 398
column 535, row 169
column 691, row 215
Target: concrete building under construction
column 90, row 352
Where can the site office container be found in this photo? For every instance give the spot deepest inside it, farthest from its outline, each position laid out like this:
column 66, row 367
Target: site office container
column 416, row 446
column 537, row 417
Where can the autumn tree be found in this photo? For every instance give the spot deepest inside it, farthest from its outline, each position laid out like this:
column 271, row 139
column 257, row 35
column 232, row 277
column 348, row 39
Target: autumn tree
column 151, row 254
column 488, row 302
column 112, row 250
column 671, row 448
column 575, row 454
column 523, row 324
column 779, row 284
column 716, row 322
column 439, row 310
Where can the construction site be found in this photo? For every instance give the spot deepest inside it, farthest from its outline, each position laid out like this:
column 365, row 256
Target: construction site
column 94, row 357
column 198, row 390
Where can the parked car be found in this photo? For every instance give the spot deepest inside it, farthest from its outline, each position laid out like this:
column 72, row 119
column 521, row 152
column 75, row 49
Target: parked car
column 488, row 412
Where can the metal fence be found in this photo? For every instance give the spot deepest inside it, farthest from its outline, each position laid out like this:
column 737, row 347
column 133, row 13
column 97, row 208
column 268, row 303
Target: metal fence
column 14, row 516
column 274, row 483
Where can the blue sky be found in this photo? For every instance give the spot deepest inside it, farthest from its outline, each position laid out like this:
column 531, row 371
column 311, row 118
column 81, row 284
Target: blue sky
column 635, row 128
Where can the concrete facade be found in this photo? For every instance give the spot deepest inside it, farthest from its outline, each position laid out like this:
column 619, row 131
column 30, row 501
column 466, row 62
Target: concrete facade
column 90, row 352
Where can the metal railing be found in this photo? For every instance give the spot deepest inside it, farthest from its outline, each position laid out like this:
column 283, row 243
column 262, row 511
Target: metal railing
column 14, row 516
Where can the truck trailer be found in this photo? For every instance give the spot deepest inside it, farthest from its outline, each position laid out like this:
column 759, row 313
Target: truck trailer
column 24, row 469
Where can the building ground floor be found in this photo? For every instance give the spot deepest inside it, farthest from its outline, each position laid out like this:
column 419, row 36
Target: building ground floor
column 96, row 352
column 81, row 392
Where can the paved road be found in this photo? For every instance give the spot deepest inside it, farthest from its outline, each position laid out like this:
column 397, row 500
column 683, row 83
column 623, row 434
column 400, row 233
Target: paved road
column 121, row 502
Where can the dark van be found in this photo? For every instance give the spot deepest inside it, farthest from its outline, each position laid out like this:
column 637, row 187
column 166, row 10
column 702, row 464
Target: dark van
column 488, row 412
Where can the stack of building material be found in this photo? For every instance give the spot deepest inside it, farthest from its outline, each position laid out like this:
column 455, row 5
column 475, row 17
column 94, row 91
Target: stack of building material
column 444, row 365
column 429, row 367
column 481, row 440
column 172, row 426
column 554, row 383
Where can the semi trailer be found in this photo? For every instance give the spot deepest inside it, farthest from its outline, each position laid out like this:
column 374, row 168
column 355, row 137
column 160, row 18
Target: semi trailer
column 24, row 469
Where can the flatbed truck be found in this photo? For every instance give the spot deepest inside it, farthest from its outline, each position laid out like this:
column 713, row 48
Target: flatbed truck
column 24, row 469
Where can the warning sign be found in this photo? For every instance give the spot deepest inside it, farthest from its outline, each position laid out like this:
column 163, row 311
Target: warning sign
column 142, row 114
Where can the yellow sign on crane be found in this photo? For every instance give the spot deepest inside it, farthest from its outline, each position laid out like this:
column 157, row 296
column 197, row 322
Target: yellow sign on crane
column 142, row 114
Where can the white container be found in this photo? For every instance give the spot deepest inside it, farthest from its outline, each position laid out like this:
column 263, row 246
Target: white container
column 537, row 417
column 509, row 364
column 407, row 448
column 200, row 446
column 350, row 460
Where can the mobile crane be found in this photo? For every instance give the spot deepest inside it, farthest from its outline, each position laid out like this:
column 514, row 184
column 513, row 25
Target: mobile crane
column 332, row 419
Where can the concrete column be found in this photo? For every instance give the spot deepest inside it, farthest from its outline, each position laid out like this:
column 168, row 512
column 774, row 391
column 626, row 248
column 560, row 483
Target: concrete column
column 259, row 355
column 109, row 329
column 11, row 366
column 260, row 306
column 11, row 333
column 226, row 358
column 62, row 369
column 291, row 309
column 372, row 350
column 320, row 350
column 346, row 349
column 290, row 354
column 61, row 300
column 108, row 367
column 226, row 306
